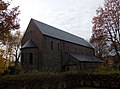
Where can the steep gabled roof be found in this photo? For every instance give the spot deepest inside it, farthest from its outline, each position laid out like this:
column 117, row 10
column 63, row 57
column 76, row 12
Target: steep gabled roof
column 59, row 34
column 29, row 44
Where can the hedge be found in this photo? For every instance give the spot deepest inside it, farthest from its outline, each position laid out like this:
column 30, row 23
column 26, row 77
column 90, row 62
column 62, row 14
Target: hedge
column 60, row 81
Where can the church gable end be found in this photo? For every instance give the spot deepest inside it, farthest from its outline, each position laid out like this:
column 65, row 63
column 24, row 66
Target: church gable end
column 32, row 32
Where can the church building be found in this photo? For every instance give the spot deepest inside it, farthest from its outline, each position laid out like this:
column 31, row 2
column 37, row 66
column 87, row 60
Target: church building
column 47, row 48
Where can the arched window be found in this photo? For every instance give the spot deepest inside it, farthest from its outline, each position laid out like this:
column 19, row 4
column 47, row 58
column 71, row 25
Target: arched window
column 75, row 50
column 68, row 48
column 31, row 58
column 58, row 46
column 22, row 58
column 52, row 45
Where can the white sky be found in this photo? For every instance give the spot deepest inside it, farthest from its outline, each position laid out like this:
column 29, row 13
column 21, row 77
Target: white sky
column 73, row 16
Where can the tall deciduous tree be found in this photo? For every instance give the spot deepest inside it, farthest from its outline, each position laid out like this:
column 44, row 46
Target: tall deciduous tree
column 8, row 20
column 15, row 46
column 106, row 29
column 9, row 24
column 11, row 50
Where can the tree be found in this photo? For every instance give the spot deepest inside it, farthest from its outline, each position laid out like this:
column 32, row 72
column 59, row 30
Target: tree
column 11, row 50
column 9, row 24
column 1, row 64
column 98, row 36
column 11, row 54
column 8, row 20
column 106, row 29
column 15, row 46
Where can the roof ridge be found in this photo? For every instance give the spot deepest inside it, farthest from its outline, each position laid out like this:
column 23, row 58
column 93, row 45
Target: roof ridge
column 60, row 34
column 56, row 28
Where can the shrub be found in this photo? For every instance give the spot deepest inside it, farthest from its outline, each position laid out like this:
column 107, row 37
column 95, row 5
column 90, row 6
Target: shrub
column 12, row 70
column 54, row 80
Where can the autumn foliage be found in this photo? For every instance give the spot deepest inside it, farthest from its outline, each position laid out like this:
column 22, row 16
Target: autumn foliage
column 8, row 20
column 106, row 29
column 9, row 27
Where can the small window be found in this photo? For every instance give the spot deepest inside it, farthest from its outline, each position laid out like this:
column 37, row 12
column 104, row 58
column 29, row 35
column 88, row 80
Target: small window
column 52, row 45
column 31, row 58
column 22, row 58
column 45, row 42
column 68, row 48
column 45, row 38
column 75, row 50
column 81, row 51
column 58, row 46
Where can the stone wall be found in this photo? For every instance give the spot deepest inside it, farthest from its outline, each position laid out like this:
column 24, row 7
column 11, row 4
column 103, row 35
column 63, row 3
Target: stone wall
column 29, row 59
column 35, row 35
column 54, row 58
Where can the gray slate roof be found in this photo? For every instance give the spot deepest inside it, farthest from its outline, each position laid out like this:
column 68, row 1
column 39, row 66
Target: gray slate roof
column 85, row 58
column 29, row 44
column 59, row 34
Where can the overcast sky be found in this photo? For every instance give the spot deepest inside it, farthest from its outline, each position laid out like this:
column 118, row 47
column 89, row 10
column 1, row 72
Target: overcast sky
column 73, row 16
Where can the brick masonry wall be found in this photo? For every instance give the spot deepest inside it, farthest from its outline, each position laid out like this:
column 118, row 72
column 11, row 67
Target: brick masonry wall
column 33, row 33
column 26, row 60
column 51, row 57
column 55, row 58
